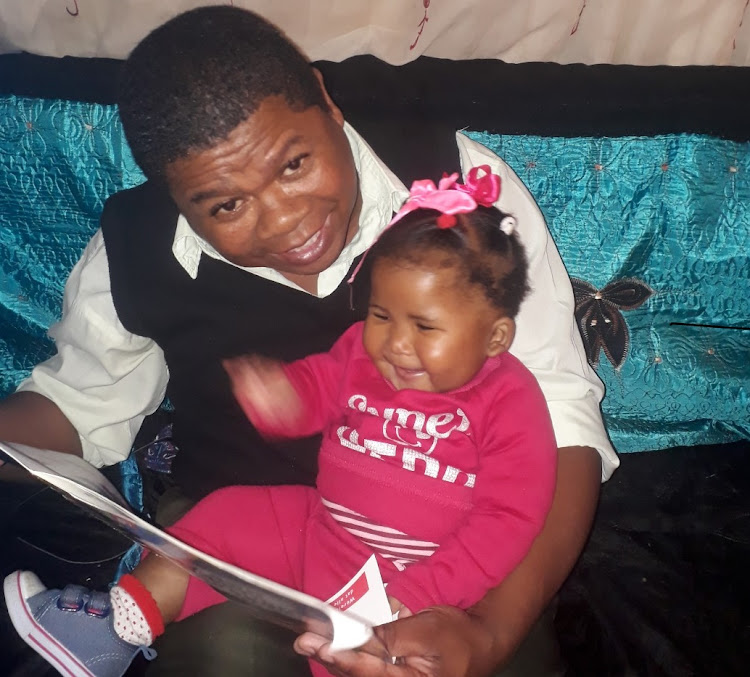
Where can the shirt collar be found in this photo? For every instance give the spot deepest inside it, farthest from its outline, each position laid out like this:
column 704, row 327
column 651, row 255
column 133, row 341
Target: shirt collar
column 382, row 194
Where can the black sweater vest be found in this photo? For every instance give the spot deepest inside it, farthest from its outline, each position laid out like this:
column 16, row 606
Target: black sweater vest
column 225, row 312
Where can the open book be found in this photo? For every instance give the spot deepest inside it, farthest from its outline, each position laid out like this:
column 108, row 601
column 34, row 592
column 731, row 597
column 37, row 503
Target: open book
column 86, row 486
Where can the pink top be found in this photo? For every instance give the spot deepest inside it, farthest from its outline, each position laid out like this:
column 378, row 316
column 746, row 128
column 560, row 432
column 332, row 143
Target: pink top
column 451, row 488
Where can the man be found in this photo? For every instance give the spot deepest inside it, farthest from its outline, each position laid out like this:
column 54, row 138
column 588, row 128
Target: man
column 260, row 198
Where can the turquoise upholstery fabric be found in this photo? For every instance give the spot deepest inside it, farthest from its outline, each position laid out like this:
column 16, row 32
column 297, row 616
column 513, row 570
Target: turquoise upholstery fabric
column 59, row 161
column 668, row 212
column 672, row 212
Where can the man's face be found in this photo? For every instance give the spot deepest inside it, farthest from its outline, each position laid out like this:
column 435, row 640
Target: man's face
column 280, row 191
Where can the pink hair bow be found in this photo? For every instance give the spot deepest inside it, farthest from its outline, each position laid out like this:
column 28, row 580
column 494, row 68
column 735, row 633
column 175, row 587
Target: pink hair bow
column 449, row 197
column 484, row 189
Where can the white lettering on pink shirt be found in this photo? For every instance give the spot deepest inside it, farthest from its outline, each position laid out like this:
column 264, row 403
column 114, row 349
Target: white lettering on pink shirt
column 412, row 437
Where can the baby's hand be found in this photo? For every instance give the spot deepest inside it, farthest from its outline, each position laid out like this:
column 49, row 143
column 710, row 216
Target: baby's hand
column 264, row 392
column 397, row 609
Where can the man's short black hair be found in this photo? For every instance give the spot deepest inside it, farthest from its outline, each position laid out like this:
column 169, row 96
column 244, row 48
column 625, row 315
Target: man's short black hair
column 194, row 79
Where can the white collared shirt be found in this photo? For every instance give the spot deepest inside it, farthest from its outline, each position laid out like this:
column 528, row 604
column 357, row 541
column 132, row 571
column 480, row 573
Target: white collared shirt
column 106, row 380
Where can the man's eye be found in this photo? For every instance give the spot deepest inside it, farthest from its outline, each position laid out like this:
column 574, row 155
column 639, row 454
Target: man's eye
column 294, row 165
column 225, row 207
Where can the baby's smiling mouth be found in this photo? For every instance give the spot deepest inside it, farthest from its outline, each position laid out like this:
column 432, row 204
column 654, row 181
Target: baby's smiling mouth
column 407, row 374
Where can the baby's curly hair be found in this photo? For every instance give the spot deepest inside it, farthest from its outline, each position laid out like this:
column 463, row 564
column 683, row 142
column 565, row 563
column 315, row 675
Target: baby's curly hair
column 483, row 255
column 194, row 79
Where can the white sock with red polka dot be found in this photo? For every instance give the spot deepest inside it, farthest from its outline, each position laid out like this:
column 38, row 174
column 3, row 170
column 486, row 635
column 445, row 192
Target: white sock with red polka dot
column 130, row 623
column 137, row 619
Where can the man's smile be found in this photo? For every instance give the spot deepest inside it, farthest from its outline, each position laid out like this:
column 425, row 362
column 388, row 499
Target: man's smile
column 311, row 249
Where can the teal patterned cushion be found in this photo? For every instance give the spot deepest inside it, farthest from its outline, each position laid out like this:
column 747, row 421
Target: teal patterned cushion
column 663, row 222
column 59, row 161
column 631, row 216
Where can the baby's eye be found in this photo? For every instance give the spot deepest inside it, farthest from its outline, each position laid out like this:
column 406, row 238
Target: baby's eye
column 424, row 327
column 225, row 207
column 294, row 165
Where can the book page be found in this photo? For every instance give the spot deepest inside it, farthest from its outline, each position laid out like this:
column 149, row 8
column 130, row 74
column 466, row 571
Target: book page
column 364, row 595
column 292, row 609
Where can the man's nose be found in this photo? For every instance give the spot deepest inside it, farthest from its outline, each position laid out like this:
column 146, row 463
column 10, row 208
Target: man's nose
column 278, row 213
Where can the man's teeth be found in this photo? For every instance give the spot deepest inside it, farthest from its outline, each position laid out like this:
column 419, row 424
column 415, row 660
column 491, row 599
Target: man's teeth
column 308, row 243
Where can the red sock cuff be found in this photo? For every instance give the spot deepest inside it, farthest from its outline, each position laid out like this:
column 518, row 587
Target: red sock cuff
column 145, row 601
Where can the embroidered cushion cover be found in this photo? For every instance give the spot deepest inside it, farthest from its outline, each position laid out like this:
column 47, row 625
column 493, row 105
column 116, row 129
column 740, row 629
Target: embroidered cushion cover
column 660, row 225
column 654, row 228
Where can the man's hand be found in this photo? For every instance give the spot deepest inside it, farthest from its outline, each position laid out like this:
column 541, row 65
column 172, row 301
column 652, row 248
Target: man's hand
column 437, row 642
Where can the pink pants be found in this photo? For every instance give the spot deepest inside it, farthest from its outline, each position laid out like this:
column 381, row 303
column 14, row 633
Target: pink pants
column 282, row 533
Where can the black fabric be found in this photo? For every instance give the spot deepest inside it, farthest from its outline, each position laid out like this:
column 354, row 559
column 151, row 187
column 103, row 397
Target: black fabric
column 547, row 98
column 244, row 647
column 71, row 78
column 81, row 544
column 484, row 94
column 662, row 588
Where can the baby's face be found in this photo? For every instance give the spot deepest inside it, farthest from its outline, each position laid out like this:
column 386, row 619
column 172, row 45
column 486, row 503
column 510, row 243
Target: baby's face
column 427, row 330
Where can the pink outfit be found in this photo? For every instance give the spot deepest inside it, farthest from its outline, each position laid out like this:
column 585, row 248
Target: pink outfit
column 448, row 489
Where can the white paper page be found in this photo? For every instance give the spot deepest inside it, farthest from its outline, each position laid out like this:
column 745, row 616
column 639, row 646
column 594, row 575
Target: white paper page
column 269, row 600
column 54, row 465
column 364, row 595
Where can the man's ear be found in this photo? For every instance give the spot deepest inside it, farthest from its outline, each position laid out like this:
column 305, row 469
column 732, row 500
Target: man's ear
column 503, row 332
column 334, row 110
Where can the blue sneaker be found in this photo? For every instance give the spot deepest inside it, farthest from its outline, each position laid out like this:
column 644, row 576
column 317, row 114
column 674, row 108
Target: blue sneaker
column 72, row 629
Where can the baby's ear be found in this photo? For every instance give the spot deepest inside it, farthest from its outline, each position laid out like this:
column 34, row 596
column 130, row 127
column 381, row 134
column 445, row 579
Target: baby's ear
column 503, row 332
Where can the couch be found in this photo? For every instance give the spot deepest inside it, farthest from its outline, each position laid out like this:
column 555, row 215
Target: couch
column 643, row 175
